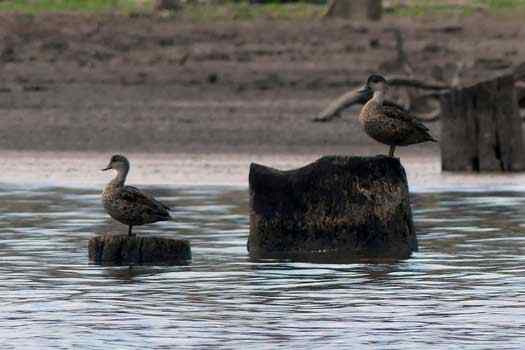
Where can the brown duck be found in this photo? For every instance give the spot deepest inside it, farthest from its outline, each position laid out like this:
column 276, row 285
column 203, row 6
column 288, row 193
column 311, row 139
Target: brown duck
column 387, row 122
column 128, row 204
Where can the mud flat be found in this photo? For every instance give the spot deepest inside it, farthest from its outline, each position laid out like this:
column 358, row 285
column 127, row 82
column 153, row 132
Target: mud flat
column 78, row 83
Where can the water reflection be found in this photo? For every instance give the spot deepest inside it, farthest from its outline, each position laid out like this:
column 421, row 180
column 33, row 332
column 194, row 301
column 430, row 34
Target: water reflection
column 465, row 288
column 133, row 273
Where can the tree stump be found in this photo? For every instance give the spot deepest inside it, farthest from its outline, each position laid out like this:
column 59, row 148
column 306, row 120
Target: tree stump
column 481, row 128
column 355, row 9
column 337, row 209
column 123, row 250
column 166, row 5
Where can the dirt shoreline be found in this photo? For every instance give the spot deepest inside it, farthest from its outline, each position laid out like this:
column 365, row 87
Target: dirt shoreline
column 195, row 104
column 118, row 84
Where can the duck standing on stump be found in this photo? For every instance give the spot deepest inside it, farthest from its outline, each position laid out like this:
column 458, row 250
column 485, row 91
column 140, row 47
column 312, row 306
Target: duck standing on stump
column 128, row 204
column 387, row 123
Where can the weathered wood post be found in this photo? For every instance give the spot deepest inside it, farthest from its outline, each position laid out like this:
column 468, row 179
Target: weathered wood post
column 111, row 249
column 355, row 9
column 481, row 127
column 336, row 209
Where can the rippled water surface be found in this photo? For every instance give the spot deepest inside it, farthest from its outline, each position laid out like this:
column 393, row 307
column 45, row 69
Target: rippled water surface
column 465, row 289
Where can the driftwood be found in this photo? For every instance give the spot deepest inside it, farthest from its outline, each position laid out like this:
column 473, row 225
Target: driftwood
column 334, row 109
column 355, row 9
column 336, row 209
column 434, row 91
column 481, row 127
column 345, row 101
column 406, row 82
column 123, row 250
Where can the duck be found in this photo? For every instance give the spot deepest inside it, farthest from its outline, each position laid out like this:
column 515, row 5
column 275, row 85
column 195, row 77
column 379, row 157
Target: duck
column 127, row 204
column 388, row 123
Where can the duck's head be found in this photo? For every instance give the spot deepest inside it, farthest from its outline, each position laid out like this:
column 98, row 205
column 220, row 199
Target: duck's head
column 118, row 162
column 374, row 82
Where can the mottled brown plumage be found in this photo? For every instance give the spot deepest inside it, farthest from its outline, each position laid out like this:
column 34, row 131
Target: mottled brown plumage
column 388, row 123
column 128, row 204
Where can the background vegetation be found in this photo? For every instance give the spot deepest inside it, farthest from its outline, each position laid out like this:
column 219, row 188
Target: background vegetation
column 242, row 10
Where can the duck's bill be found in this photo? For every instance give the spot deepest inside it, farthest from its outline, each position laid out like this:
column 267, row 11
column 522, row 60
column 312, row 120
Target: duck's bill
column 106, row 168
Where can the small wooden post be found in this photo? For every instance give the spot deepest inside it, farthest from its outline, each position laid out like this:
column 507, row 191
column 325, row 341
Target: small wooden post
column 481, row 128
column 111, row 249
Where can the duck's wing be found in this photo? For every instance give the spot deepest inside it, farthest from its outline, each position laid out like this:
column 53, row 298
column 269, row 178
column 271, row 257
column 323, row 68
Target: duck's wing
column 136, row 196
column 395, row 105
column 396, row 112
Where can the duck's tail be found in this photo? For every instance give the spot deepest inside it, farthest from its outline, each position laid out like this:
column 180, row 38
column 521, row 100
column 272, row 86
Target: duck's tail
column 430, row 138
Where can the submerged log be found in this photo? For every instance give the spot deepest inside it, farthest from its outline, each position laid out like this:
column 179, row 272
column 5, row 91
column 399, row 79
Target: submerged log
column 481, row 127
column 122, row 250
column 336, row 209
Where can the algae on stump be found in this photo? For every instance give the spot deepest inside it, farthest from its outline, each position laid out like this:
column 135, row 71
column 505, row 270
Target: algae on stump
column 335, row 209
column 124, row 249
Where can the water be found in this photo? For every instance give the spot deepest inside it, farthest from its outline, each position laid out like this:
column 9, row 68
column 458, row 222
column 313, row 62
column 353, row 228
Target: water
column 465, row 289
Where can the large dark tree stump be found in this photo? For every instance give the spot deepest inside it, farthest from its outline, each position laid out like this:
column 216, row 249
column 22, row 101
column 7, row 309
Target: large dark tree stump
column 122, row 250
column 481, row 128
column 355, row 9
column 335, row 209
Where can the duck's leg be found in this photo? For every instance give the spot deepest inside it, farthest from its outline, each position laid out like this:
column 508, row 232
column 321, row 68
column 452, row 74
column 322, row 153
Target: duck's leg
column 392, row 150
column 129, row 231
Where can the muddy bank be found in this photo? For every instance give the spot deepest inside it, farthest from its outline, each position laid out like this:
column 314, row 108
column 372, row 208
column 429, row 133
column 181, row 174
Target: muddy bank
column 146, row 85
